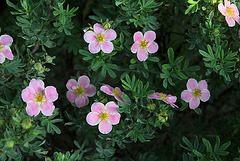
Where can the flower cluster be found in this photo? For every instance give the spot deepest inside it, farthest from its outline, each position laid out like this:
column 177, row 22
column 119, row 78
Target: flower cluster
column 5, row 51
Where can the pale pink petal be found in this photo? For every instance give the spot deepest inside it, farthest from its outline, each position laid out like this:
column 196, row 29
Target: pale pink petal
column 135, row 47
column 81, row 100
column 154, row 96
column 236, row 18
column 32, row 109
column 6, row 40
column 83, row 81
column 104, row 127
column 194, row 102
column 89, row 36
column 51, row 93
column 138, row 36
column 202, row 85
column 71, row 84
column 110, row 34
column 98, row 28
column 205, row 95
column 191, row 84
column 114, row 118
column 152, row 47
column 97, row 107
column 107, row 46
column 28, row 94
column 2, row 58
column 186, row 95
column 37, row 85
column 107, row 89
column 47, row 108
column 227, row 3
column 142, row 54
column 235, row 9
column 111, row 107
column 90, row 90
column 222, row 9
column 94, row 47
column 7, row 53
column 93, row 118
column 171, row 99
column 71, row 96
column 230, row 21
column 150, row 36
column 120, row 98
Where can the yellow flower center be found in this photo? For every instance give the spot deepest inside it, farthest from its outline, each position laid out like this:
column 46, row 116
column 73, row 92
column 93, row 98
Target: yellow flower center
column 116, row 92
column 230, row 11
column 196, row 93
column 100, row 38
column 1, row 46
column 163, row 96
column 39, row 97
column 79, row 91
column 103, row 116
column 143, row 44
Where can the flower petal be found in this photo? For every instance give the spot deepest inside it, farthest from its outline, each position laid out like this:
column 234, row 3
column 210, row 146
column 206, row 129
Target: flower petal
column 51, row 93
column 71, row 96
column 94, row 47
column 230, row 21
column 235, row 9
column 47, row 108
column 119, row 98
column 107, row 89
column 205, row 95
column 89, row 36
column 83, row 81
column 110, row 34
column 7, row 52
column 104, row 127
column 142, row 54
column 202, row 85
column 37, row 85
column 81, row 101
column 114, row 118
column 154, row 96
column 150, row 36
column 152, row 47
column 98, row 28
column 97, row 107
column 186, row 95
column 222, row 9
column 71, row 84
column 138, row 36
column 32, row 109
column 194, row 102
column 2, row 58
column 191, row 84
column 90, row 90
column 111, row 107
column 236, row 18
column 93, row 118
column 28, row 94
column 135, row 47
column 6, row 40
column 227, row 3
column 171, row 99
column 107, row 46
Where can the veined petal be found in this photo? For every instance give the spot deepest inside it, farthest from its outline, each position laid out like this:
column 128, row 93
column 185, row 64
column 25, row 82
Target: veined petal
column 71, row 84
column 111, row 107
column 47, row 108
column 194, row 102
column 81, row 101
column 83, row 81
column 6, row 40
column 191, row 84
column 107, row 46
column 93, row 118
column 107, row 89
column 71, row 96
column 114, row 118
column 135, row 47
column 152, row 47
column 142, row 54
column 222, row 9
column 138, row 36
column 202, row 85
column 28, row 94
column 90, row 90
column 154, row 96
column 110, row 34
column 94, row 47
column 97, row 107
column 37, row 85
column 230, row 21
column 7, row 52
column 186, row 95
column 98, row 28
column 51, row 93
column 150, row 36
column 89, row 36
column 205, row 95
column 32, row 109
column 104, row 127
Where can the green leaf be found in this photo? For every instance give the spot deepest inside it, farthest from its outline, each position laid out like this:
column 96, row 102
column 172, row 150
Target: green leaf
column 207, row 145
column 187, row 142
column 197, row 153
column 171, row 55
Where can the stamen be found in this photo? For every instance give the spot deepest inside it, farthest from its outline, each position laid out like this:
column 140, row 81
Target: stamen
column 79, row 91
column 103, row 116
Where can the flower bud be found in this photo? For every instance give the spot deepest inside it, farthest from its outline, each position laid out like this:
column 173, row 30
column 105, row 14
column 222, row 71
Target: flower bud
column 151, row 106
column 38, row 66
column 26, row 124
column 9, row 144
column 49, row 59
column 106, row 25
column 162, row 117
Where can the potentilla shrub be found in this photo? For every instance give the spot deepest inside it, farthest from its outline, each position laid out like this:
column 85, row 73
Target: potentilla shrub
column 119, row 80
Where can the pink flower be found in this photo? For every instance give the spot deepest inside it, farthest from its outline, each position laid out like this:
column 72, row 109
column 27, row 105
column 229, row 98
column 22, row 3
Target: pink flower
column 39, row 98
column 116, row 92
column 105, row 116
column 144, row 44
column 230, row 11
column 99, row 39
column 5, row 51
column 168, row 99
column 80, row 91
column 195, row 92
